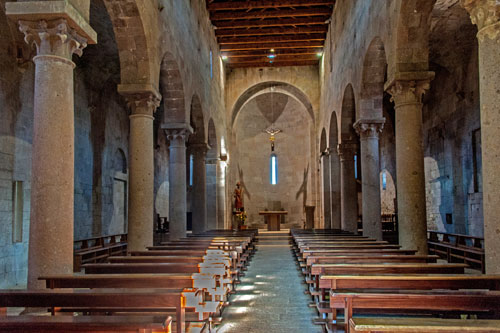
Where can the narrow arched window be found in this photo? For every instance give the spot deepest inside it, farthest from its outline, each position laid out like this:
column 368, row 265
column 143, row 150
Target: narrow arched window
column 273, row 163
column 191, row 170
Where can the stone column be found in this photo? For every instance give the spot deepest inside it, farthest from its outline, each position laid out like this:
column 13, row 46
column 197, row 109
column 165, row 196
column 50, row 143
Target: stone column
column 141, row 166
column 335, row 189
column 412, row 217
column 369, row 130
column 199, row 190
column 327, row 203
column 52, row 178
column 177, row 134
column 221, row 194
column 212, row 193
column 486, row 15
column 348, row 191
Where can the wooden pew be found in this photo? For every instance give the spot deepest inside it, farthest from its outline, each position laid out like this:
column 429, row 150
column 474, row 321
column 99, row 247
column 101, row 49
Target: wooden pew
column 98, row 249
column 150, row 259
column 365, row 259
column 427, row 325
column 156, row 299
column 357, row 252
column 85, row 324
column 141, row 268
column 175, row 281
column 439, row 301
column 417, row 282
column 371, row 269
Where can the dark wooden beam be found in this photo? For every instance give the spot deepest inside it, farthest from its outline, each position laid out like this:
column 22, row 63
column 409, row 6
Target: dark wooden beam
column 270, row 39
column 268, row 46
column 264, row 59
column 264, row 53
column 270, row 14
column 270, row 31
column 313, row 20
column 275, row 64
column 235, row 5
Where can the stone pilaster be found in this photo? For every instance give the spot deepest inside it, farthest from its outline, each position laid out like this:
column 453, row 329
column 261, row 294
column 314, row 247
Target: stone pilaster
column 142, row 104
column 369, row 131
column 212, row 166
column 348, row 191
column 221, row 194
column 177, row 134
column 199, row 191
column 486, row 15
column 335, row 189
column 52, row 183
column 327, row 203
column 407, row 95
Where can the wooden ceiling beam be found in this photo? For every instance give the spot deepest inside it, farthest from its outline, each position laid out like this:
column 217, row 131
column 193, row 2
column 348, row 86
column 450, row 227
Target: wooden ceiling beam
column 279, row 58
column 268, row 46
column 270, row 39
column 313, row 20
column 270, row 31
column 263, row 53
column 235, row 5
column 219, row 16
column 275, row 64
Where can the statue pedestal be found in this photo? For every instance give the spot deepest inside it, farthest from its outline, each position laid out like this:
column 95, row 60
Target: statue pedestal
column 273, row 223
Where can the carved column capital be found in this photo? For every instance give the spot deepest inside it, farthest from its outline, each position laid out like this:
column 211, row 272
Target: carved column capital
column 53, row 38
column 486, row 15
column 143, row 103
column 347, row 150
column 369, row 128
column 408, row 92
column 177, row 132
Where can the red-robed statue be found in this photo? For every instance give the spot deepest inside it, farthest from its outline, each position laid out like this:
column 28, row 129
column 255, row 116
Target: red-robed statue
column 238, row 197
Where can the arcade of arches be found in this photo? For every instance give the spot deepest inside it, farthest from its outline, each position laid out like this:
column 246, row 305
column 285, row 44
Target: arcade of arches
column 117, row 116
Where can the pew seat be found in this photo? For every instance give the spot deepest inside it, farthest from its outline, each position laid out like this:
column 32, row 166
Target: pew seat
column 428, row 325
column 101, row 324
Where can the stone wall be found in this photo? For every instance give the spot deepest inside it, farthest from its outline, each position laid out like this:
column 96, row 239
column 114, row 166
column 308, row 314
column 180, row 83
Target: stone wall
column 250, row 161
column 451, row 116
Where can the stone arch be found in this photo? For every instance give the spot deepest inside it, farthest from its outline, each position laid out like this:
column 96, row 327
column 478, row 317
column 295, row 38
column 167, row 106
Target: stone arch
column 135, row 35
column 373, row 79
column 412, row 37
column 262, row 87
column 172, row 90
column 213, row 151
column 197, row 121
column 322, row 141
column 120, row 161
column 348, row 114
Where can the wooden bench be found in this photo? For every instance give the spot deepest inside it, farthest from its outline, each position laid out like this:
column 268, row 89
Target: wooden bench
column 461, row 301
column 371, row 269
column 98, row 249
column 365, row 259
column 418, row 282
column 176, row 281
column 356, row 252
column 64, row 324
column 141, row 268
column 428, row 325
column 145, row 299
column 160, row 259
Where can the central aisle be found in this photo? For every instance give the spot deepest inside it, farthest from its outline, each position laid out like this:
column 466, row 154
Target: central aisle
column 271, row 296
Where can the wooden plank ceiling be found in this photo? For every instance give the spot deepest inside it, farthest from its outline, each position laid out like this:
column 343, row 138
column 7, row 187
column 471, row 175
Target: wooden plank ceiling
column 263, row 33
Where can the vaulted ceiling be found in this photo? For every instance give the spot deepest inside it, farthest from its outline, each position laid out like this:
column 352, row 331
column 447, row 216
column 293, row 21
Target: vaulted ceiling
column 258, row 33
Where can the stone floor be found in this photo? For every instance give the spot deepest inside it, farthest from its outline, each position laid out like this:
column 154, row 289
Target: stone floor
column 271, row 296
